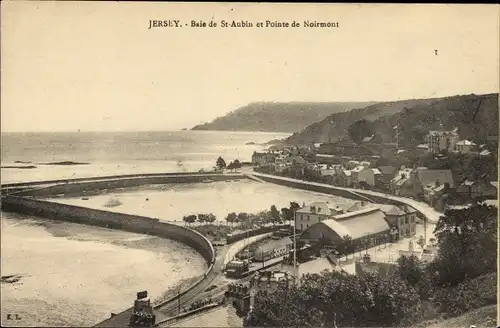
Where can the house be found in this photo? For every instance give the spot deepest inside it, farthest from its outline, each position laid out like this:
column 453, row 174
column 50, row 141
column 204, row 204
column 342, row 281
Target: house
column 402, row 183
column 434, row 183
column 387, row 174
column 369, row 139
column 327, row 159
column 352, row 164
column 404, row 219
column 485, row 152
column 365, row 163
column 363, row 225
column 355, row 174
column 439, row 141
column 296, row 165
column 311, row 214
column 356, row 207
column 262, row 159
column 371, row 177
column 464, row 146
column 344, row 178
column 273, row 249
column 477, row 188
column 422, row 148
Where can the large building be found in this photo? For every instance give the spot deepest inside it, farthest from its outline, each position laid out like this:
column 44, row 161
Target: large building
column 367, row 223
column 314, row 213
column 439, row 141
column 403, row 219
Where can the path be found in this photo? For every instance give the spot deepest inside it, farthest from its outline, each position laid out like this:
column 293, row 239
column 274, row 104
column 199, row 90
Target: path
column 430, row 213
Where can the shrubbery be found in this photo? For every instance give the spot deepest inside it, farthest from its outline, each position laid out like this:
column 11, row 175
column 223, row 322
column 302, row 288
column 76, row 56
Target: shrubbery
column 460, row 279
column 468, row 295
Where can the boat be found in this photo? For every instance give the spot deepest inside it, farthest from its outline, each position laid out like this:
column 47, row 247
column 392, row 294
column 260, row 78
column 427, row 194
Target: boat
column 207, row 181
column 179, row 163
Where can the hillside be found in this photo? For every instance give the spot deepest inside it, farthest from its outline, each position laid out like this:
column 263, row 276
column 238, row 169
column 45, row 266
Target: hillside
column 278, row 117
column 476, row 117
column 482, row 317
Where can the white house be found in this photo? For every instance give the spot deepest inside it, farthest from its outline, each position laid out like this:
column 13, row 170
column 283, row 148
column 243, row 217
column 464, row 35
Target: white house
column 464, row 146
column 370, row 176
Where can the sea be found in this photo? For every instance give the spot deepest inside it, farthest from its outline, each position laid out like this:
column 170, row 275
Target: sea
column 65, row 274
column 108, row 153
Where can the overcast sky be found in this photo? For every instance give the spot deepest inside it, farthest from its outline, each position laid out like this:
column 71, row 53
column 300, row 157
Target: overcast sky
column 96, row 66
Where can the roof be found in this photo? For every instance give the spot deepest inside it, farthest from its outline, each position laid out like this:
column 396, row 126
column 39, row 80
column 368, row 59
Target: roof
column 485, row 153
column 363, row 222
column 274, row 244
column 347, row 172
column 376, row 171
column 428, row 177
column 325, row 155
column 321, row 208
column 466, row 143
column 398, row 178
column 367, row 223
column 358, row 169
column 392, row 210
column 298, row 159
column 422, row 146
column 387, row 170
column 355, row 207
column 442, row 133
column 494, row 184
column 366, row 139
column 337, row 227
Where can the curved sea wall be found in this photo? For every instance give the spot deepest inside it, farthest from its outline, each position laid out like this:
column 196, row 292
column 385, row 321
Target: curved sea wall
column 112, row 220
column 80, row 187
column 337, row 191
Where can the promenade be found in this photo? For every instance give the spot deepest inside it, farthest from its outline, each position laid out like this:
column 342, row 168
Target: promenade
column 430, row 213
column 215, row 276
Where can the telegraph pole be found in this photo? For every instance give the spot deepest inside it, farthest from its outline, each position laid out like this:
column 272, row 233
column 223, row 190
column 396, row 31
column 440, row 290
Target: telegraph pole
column 294, row 243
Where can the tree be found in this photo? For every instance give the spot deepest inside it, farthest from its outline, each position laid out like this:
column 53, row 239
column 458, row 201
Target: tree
column 220, row 163
column 242, row 217
column 231, row 218
column 286, row 213
column 467, row 241
column 347, row 246
column 210, row 218
column 412, row 271
column 237, row 164
column 275, row 214
column 189, row 218
column 202, row 218
column 360, row 129
column 350, row 301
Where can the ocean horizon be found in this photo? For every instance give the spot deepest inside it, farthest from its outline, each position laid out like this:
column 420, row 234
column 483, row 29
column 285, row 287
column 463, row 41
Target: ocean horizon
column 109, row 153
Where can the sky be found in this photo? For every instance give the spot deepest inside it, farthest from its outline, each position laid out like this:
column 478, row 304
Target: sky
column 69, row 66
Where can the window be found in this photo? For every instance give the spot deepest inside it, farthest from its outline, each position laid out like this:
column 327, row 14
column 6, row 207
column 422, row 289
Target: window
column 308, row 218
column 406, row 220
column 302, row 217
column 301, row 226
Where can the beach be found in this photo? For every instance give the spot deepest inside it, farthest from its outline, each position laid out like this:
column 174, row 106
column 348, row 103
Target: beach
column 173, row 201
column 76, row 275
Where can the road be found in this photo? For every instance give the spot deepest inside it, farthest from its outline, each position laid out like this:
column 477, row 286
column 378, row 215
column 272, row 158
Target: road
column 215, row 277
column 430, row 213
